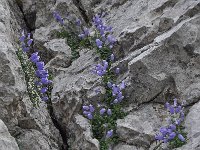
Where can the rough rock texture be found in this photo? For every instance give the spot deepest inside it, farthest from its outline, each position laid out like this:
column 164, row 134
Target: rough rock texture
column 81, row 136
column 158, row 50
column 139, row 128
column 192, row 127
column 7, row 142
column 16, row 110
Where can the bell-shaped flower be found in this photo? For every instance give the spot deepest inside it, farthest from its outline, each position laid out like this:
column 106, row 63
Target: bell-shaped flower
column 99, row 43
column 102, row 111
column 109, row 133
column 180, row 136
column 109, row 112
column 44, row 90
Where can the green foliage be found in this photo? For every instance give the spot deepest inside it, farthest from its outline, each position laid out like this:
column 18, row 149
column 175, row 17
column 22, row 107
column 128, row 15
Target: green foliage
column 104, row 52
column 29, row 72
column 101, row 124
column 74, row 42
column 176, row 142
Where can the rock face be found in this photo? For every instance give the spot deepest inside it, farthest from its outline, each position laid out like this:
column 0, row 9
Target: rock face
column 7, row 142
column 23, row 121
column 192, row 126
column 158, row 51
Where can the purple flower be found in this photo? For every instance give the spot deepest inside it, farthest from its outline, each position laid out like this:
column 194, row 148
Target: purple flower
column 115, row 101
column 172, row 135
column 99, row 43
column 115, row 90
column 112, row 57
column 170, row 132
column 86, row 112
column 111, row 39
column 44, row 90
column 109, row 133
column 78, row 22
column 38, row 83
column 175, row 102
column 30, row 42
column 22, row 38
column 26, row 49
column 42, row 73
column 181, row 137
column 109, row 112
column 44, row 81
column 159, row 137
column 91, row 107
column 101, row 69
column 40, row 65
column 102, row 111
column 89, row 116
column 178, row 109
column 34, row 57
column 86, row 31
column 117, row 71
column 172, row 127
column 163, row 130
column 167, row 105
column 171, row 110
column 86, row 108
column 122, row 85
column 29, row 36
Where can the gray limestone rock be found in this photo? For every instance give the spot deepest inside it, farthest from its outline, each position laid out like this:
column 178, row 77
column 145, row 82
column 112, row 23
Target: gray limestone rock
column 7, row 142
column 16, row 110
column 192, row 123
column 82, row 136
column 158, row 50
column 139, row 127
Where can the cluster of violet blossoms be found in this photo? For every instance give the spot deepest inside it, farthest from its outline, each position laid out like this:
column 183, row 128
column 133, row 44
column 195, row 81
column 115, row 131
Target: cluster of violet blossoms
column 168, row 133
column 117, row 91
column 41, row 72
column 105, row 33
column 26, row 41
column 100, row 69
column 88, row 111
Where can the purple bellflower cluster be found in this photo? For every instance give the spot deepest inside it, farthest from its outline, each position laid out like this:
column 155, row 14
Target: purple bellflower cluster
column 41, row 73
column 105, row 32
column 117, row 91
column 101, row 69
column 26, row 41
column 168, row 133
column 88, row 111
column 104, row 110
column 85, row 33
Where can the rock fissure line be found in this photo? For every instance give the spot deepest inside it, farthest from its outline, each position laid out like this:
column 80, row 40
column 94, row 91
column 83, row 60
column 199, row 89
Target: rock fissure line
column 20, row 5
column 56, row 123
column 80, row 7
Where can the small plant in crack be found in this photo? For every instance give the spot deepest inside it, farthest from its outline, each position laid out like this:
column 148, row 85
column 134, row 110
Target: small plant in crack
column 102, row 117
column 36, row 76
column 70, row 31
column 173, row 133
